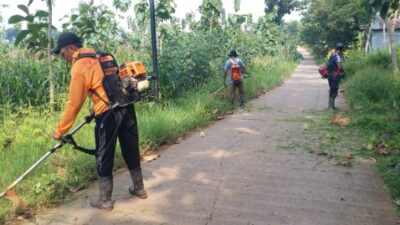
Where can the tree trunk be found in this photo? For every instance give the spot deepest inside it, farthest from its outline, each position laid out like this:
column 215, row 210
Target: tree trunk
column 368, row 42
column 391, row 27
column 51, row 76
column 211, row 25
column 161, row 45
column 384, row 36
column 384, row 28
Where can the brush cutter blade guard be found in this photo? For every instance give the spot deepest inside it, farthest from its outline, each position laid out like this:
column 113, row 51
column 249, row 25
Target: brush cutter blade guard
column 12, row 196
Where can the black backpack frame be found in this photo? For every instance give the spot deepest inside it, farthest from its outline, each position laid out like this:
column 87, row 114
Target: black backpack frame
column 111, row 82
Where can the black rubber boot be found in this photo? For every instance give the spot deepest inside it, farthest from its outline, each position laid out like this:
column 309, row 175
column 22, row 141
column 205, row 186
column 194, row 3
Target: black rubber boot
column 331, row 103
column 241, row 101
column 137, row 189
column 104, row 201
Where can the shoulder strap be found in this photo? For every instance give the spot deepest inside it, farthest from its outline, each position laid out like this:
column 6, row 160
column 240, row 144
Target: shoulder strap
column 94, row 55
column 102, row 99
column 87, row 55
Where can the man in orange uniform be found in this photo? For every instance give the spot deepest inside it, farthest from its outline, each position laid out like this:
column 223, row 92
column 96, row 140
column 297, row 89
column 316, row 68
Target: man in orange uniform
column 87, row 77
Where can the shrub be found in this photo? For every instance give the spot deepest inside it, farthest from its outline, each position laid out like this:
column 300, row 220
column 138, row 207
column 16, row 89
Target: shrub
column 371, row 86
column 356, row 60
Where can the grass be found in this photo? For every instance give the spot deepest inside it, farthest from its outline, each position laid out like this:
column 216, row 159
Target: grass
column 24, row 82
column 26, row 136
column 334, row 140
column 373, row 92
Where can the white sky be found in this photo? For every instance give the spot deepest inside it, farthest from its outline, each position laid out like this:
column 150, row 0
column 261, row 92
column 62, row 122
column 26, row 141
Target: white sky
column 63, row 7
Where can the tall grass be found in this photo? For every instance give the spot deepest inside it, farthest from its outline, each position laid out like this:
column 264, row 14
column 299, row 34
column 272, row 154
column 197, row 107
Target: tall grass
column 23, row 81
column 371, row 86
column 373, row 89
column 26, row 135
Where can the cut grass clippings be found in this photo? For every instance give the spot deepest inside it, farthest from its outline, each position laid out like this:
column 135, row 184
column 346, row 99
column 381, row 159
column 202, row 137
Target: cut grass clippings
column 354, row 141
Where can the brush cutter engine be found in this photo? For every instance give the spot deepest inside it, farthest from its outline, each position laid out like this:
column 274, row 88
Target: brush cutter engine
column 133, row 76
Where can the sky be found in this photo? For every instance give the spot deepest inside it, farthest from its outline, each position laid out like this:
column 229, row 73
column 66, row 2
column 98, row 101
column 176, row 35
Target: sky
column 64, row 7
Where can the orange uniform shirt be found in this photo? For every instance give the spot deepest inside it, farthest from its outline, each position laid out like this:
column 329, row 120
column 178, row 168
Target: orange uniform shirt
column 86, row 75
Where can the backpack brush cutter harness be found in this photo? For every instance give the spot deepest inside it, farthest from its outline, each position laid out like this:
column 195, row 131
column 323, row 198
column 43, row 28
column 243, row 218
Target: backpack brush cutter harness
column 122, row 87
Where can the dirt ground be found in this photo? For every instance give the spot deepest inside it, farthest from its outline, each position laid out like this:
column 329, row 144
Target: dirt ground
column 238, row 171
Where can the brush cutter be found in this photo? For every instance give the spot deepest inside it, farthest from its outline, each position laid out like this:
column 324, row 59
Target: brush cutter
column 68, row 139
column 131, row 69
column 245, row 75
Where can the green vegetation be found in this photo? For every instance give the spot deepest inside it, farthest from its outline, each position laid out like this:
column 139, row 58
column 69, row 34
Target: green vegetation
column 373, row 92
column 26, row 135
column 330, row 21
column 371, row 86
column 191, row 57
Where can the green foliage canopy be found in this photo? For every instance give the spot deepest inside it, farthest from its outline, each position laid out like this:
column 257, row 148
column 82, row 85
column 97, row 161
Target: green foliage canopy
column 35, row 34
column 385, row 7
column 330, row 21
column 281, row 7
column 96, row 25
column 211, row 14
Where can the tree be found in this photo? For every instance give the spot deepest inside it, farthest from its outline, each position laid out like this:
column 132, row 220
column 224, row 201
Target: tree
column 211, row 12
column 281, row 7
column 2, row 6
column 330, row 21
column 236, row 21
column 163, row 10
column 35, row 35
column 189, row 21
column 122, row 5
column 236, row 5
column 38, row 37
column 269, row 30
column 2, row 31
column 49, row 59
column 388, row 10
column 95, row 24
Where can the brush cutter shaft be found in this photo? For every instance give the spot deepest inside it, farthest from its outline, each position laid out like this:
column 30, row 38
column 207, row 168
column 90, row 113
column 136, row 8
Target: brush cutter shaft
column 62, row 142
column 37, row 163
column 73, row 131
column 30, row 169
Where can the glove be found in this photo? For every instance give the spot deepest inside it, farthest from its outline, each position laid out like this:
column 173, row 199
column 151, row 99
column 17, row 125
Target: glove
column 56, row 136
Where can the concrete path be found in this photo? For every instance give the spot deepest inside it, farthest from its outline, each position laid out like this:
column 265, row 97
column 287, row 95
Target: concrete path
column 238, row 174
